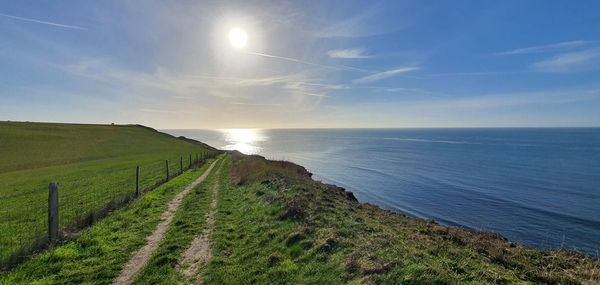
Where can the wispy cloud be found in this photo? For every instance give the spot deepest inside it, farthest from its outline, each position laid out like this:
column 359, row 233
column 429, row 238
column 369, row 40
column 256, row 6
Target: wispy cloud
column 385, row 74
column 305, row 88
column 255, row 104
column 296, row 91
column 65, row 26
column 327, row 86
column 366, row 23
column 499, row 100
column 352, row 53
column 315, row 94
column 522, row 98
column 338, row 67
column 248, row 81
column 475, row 73
column 547, row 48
column 410, row 91
column 296, row 83
column 155, row 111
column 184, row 97
column 178, row 85
column 570, row 62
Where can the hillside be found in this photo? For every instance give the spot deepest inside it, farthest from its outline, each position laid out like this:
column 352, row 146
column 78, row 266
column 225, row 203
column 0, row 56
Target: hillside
column 94, row 164
column 35, row 145
column 275, row 225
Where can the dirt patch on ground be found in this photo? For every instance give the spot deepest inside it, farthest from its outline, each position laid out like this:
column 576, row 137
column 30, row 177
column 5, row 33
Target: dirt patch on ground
column 141, row 257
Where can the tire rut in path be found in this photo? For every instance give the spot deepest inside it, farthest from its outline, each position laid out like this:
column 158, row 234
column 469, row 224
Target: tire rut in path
column 198, row 253
column 142, row 255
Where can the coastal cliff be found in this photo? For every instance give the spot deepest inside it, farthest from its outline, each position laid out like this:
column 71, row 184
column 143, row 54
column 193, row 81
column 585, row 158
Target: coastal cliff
column 315, row 232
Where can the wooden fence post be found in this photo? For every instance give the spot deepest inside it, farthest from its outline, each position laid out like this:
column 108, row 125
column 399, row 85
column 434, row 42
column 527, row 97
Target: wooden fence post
column 180, row 164
column 53, row 213
column 167, row 163
column 137, row 181
column 190, row 161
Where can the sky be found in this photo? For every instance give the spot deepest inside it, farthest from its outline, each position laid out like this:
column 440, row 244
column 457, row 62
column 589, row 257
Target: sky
column 306, row 64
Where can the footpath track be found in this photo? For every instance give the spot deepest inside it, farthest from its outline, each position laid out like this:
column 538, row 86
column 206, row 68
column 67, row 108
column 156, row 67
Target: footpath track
column 198, row 253
column 140, row 258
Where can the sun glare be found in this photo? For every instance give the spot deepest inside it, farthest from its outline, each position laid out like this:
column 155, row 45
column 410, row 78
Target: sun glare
column 238, row 38
column 247, row 141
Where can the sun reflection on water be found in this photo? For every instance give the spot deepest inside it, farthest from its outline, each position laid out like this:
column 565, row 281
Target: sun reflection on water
column 244, row 140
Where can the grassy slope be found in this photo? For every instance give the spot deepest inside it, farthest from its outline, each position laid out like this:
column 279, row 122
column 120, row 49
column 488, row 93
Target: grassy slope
column 35, row 145
column 94, row 164
column 277, row 226
column 98, row 255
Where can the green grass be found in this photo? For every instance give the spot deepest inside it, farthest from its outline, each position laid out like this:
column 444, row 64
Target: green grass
column 254, row 245
column 94, row 165
column 98, row 255
column 189, row 221
column 277, row 226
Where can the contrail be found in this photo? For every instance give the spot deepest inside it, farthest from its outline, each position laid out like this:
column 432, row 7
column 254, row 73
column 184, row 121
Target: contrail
column 43, row 22
column 340, row 67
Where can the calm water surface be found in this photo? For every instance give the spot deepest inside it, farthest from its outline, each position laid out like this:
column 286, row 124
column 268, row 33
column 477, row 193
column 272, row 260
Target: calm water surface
column 539, row 187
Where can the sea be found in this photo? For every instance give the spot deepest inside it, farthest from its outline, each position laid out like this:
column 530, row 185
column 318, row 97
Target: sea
column 535, row 186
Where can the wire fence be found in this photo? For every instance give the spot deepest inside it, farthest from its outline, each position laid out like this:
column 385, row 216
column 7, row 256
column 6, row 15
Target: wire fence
column 87, row 193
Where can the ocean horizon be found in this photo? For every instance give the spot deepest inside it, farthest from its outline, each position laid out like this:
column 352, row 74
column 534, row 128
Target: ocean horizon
column 535, row 186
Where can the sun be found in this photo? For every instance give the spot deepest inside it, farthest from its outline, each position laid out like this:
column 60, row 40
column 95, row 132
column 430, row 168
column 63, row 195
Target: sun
column 238, row 38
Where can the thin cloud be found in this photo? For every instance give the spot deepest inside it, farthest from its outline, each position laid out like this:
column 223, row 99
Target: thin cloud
column 315, row 94
column 385, row 74
column 570, row 62
column 182, row 86
column 43, row 22
column 500, row 100
column 327, row 86
column 352, row 53
column 303, row 88
column 291, row 82
column 410, row 91
column 299, row 91
column 156, row 111
column 364, row 24
column 184, row 97
column 338, row 67
column 255, row 104
column 546, row 48
column 522, row 98
column 474, row 73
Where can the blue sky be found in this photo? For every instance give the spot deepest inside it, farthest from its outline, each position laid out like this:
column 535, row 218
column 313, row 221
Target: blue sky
column 306, row 64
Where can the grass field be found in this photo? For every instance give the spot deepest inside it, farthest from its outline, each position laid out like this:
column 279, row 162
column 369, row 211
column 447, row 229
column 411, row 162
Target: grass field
column 94, row 165
column 98, row 255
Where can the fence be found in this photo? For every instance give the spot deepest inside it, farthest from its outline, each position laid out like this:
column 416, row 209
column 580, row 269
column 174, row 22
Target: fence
column 31, row 220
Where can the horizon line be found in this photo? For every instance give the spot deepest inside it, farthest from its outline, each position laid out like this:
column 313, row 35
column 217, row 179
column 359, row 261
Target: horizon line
column 306, row 128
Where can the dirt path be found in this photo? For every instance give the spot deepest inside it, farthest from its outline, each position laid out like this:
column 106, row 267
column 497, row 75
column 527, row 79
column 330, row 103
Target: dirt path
column 198, row 253
column 141, row 257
